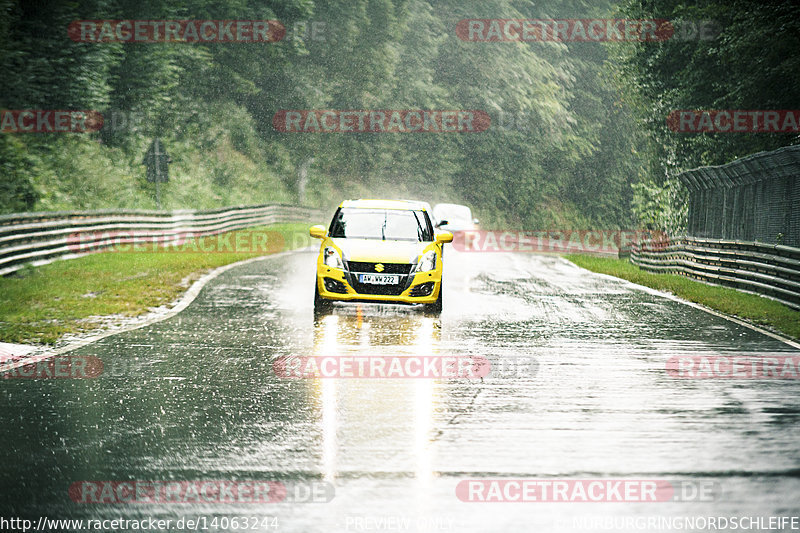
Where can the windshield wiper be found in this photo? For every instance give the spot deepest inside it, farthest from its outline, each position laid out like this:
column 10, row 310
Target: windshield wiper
column 383, row 228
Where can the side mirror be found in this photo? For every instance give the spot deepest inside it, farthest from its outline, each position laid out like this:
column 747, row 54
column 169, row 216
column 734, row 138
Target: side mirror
column 475, row 221
column 444, row 237
column 318, row 231
column 441, row 223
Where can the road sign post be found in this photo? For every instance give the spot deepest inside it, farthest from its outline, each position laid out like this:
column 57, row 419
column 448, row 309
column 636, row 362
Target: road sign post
column 157, row 161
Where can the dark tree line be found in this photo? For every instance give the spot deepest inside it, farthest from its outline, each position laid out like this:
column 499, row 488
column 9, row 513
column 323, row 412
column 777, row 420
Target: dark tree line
column 578, row 130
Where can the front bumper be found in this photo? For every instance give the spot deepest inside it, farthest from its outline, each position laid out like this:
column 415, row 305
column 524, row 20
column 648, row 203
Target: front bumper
column 414, row 288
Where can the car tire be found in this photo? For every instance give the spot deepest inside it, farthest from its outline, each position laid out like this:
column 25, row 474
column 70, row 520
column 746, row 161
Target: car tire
column 436, row 307
column 321, row 305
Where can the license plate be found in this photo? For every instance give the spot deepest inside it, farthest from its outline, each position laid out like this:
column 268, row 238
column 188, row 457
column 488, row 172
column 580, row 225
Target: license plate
column 379, row 279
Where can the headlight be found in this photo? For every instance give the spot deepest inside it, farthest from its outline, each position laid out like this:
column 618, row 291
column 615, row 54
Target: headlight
column 428, row 262
column 332, row 258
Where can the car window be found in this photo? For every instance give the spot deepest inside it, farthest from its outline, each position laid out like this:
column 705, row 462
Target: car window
column 381, row 224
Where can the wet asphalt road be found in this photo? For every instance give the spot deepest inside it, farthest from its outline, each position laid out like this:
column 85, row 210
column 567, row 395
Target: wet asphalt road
column 195, row 397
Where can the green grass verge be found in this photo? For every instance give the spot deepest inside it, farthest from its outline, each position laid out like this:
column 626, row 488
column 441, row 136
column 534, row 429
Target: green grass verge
column 40, row 304
column 749, row 307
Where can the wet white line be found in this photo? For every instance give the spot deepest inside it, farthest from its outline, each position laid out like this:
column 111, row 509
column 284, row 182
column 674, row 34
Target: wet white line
column 145, row 320
column 674, row 298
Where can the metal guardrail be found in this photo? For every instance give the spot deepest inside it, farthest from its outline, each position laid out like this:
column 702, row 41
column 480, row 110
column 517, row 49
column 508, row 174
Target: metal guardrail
column 770, row 269
column 36, row 238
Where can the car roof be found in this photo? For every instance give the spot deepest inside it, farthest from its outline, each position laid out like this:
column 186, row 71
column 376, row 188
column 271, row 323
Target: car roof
column 365, row 203
column 452, row 207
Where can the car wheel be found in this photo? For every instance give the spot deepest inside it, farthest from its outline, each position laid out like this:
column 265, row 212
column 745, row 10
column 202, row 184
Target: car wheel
column 321, row 305
column 436, row 307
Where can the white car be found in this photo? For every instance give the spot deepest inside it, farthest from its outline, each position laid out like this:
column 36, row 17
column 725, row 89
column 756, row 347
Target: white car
column 454, row 217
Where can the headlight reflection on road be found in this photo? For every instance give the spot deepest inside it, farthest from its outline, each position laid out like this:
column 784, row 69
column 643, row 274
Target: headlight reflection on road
column 329, row 427
column 329, row 346
column 423, row 406
column 365, row 415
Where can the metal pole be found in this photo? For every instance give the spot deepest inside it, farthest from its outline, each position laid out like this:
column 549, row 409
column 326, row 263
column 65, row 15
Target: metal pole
column 157, row 156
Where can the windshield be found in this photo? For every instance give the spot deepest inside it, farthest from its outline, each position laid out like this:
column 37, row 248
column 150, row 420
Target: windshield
column 381, row 224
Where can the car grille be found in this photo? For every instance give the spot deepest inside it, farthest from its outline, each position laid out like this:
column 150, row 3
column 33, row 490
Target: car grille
column 385, row 290
column 360, row 267
column 388, row 268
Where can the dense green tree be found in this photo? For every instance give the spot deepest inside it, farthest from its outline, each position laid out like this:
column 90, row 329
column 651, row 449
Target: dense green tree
column 747, row 59
column 562, row 149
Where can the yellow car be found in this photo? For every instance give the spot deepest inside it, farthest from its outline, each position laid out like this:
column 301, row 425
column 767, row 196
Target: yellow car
column 380, row 251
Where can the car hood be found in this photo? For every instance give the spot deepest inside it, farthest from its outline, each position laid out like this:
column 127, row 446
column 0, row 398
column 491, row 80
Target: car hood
column 373, row 250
